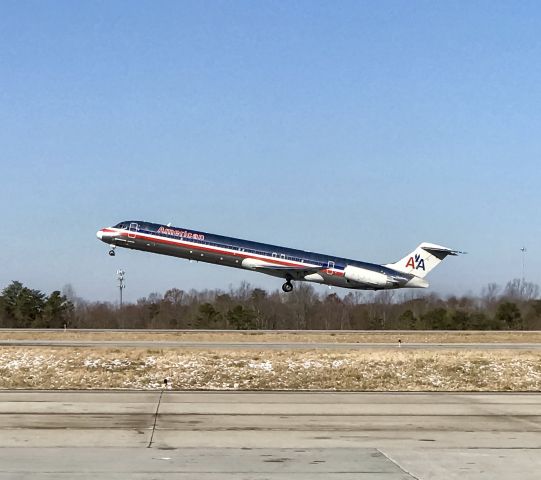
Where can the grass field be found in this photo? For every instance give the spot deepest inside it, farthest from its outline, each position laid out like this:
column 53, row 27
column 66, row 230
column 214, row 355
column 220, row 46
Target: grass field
column 379, row 370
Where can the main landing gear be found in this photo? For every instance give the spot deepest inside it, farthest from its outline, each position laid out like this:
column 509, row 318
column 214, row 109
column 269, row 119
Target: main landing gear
column 288, row 286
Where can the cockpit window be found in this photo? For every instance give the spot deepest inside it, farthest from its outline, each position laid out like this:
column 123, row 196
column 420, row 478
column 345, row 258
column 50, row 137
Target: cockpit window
column 121, row 225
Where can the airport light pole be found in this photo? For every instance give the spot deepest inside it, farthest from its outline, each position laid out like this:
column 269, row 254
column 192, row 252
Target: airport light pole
column 121, row 285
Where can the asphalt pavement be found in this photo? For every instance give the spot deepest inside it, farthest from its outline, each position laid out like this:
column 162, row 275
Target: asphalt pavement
column 268, row 345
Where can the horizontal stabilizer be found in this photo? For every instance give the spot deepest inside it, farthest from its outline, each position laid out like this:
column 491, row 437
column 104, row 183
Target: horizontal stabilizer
column 438, row 250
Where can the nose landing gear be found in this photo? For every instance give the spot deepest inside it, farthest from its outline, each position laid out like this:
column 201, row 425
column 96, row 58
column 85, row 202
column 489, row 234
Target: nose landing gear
column 112, row 252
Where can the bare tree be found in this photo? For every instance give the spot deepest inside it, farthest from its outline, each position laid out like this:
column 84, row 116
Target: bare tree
column 519, row 289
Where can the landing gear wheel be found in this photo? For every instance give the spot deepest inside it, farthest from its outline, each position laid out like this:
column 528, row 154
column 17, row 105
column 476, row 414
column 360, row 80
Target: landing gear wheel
column 287, row 287
column 112, row 253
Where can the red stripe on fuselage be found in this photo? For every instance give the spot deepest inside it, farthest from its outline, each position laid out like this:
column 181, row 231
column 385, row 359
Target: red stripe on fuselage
column 196, row 246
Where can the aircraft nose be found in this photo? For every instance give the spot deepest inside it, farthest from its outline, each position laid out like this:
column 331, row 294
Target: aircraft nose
column 99, row 234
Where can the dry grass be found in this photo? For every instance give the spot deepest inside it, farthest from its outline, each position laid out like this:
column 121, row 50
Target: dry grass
column 82, row 368
column 281, row 337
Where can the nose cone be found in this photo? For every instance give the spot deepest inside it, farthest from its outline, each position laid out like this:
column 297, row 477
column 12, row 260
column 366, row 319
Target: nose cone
column 107, row 234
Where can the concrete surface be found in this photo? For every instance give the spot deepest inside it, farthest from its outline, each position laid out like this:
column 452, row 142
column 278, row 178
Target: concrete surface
column 275, row 436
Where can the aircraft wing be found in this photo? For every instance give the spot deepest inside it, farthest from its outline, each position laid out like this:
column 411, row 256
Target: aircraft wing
column 296, row 272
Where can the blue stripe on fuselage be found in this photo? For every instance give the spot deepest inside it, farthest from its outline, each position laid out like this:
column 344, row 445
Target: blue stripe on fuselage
column 255, row 247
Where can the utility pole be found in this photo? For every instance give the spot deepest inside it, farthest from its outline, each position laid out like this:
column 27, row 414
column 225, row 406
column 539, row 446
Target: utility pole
column 523, row 250
column 121, row 285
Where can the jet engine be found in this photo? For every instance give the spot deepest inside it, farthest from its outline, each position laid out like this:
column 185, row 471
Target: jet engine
column 368, row 277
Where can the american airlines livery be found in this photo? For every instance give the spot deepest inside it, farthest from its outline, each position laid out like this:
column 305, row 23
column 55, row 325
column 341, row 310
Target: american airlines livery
column 286, row 263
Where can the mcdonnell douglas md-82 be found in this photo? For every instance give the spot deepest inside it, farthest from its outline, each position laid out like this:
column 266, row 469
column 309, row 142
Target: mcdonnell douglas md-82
column 282, row 262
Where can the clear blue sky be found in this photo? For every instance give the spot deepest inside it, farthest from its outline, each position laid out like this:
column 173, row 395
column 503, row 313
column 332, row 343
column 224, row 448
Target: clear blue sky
column 351, row 128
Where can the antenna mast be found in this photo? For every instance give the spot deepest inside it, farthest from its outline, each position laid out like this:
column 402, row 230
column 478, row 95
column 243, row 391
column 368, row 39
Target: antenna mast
column 121, row 285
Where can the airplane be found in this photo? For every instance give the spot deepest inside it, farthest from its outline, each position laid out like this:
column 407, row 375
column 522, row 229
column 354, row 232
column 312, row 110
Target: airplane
column 287, row 263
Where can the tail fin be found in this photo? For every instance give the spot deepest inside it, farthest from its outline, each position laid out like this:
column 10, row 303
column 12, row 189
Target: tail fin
column 423, row 259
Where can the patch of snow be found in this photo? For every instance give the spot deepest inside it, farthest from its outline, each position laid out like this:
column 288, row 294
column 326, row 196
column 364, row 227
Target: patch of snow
column 267, row 365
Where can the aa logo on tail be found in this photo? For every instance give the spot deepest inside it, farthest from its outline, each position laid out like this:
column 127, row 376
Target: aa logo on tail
column 416, row 262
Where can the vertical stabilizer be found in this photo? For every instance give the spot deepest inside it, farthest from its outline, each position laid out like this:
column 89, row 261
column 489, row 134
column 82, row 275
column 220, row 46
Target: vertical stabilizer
column 423, row 259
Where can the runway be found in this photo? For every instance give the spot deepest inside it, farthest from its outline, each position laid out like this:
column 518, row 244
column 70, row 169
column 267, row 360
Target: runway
column 267, row 345
column 276, row 436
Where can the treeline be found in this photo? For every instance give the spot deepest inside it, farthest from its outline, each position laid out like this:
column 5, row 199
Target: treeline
column 22, row 307
column 514, row 307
